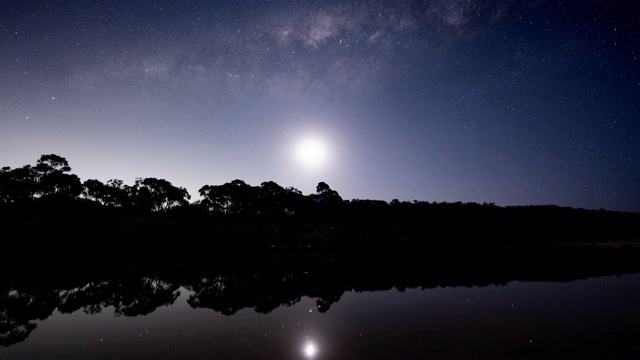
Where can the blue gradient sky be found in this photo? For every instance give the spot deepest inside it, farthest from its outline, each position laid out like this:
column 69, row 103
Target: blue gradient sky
column 511, row 102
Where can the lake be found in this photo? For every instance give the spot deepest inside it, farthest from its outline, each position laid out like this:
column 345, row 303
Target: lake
column 305, row 316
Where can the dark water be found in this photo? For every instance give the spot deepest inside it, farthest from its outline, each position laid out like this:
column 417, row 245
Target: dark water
column 591, row 318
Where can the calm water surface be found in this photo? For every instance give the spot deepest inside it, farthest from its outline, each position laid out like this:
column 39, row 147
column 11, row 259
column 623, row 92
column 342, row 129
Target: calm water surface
column 596, row 318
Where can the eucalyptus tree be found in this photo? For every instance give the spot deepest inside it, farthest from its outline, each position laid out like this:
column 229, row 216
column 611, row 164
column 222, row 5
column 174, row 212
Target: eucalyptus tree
column 235, row 197
column 93, row 190
column 158, row 194
column 17, row 184
column 50, row 176
column 324, row 193
column 53, row 178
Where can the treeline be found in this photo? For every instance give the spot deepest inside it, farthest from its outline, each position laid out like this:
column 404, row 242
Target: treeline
column 35, row 198
column 50, row 177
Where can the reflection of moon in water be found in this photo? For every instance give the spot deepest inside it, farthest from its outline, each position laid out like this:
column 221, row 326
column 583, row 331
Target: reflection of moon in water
column 310, row 349
column 311, row 152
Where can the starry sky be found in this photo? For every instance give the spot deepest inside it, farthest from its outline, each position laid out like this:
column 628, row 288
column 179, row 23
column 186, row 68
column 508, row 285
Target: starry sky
column 509, row 102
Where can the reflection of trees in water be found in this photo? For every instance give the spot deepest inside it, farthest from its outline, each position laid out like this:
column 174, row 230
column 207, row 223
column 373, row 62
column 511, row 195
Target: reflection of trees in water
column 129, row 298
column 19, row 309
column 294, row 276
column 264, row 292
column 132, row 297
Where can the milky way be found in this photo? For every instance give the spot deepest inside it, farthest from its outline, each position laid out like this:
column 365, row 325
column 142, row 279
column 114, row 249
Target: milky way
column 509, row 102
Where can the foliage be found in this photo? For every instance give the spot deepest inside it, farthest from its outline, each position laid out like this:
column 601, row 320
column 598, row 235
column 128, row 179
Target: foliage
column 158, row 194
column 36, row 198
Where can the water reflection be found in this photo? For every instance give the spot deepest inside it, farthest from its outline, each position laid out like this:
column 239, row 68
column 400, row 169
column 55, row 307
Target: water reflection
column 399, row 309
column 132, row 297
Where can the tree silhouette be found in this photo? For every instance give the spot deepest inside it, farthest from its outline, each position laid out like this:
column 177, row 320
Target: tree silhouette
column 324, row 193
column 52, row 178
column 273, row 199
column 117, row 194
column 60, row 184
column 17, row 184
column 215, row 199
column 158, row 194
column 235, row 197
column 114, row 193
column 51, row 163
column 48, row 177
column 93, row 190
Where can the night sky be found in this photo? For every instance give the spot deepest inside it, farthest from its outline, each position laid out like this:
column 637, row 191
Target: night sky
column 509, row 102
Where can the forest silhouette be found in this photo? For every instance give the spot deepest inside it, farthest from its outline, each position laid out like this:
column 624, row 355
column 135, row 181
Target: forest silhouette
column 70, row 245
column 46, row 200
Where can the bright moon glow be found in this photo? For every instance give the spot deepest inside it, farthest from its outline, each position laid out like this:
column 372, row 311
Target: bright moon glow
column 310, row 349
column 311, row 152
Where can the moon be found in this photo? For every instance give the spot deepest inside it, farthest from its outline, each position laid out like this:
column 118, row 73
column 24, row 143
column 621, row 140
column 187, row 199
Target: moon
column 310, row 349
column 311, row 152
